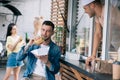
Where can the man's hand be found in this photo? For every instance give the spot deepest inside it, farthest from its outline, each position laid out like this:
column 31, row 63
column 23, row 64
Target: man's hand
column 28, row 44
column 31, row 41
column 43, row 58
column 38, row 40
column 90, row 59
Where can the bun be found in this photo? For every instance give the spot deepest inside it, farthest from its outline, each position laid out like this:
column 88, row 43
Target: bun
column 39, row 41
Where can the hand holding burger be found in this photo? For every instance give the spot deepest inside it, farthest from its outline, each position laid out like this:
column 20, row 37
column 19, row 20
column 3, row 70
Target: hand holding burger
column 39, row 41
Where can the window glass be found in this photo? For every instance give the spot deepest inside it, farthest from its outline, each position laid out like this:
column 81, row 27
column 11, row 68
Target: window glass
column 82, row 36
column 114, row 23
column 80, row 32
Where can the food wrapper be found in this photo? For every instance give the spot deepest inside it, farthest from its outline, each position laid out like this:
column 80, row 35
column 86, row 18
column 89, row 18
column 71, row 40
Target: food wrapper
column 41, row 51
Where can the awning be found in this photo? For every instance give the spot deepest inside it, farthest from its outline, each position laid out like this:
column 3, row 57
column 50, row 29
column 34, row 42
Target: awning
column 15, row 11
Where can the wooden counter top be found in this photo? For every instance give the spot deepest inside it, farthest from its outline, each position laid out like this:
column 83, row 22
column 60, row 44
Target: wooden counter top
column 80, row 71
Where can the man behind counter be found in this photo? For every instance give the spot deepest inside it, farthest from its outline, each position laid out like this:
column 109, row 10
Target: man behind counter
column 94, row 8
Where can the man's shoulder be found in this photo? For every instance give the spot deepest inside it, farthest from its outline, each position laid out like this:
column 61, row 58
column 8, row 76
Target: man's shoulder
column 53, row 44
column 55, row 49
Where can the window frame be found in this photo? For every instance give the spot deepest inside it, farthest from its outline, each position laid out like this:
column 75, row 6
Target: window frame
column 106, row 29
column 71, row 22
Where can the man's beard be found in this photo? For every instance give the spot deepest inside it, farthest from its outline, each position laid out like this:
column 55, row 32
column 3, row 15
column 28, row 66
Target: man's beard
column 92, row 13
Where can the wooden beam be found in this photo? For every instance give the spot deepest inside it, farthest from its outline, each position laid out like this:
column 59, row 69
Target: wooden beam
column 76, row 74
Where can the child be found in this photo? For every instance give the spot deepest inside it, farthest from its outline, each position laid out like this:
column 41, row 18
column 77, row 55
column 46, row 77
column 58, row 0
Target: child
column 37, row 26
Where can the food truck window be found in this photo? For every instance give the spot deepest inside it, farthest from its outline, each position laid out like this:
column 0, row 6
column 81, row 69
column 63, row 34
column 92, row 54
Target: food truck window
column 114, row 24
column 79, row 24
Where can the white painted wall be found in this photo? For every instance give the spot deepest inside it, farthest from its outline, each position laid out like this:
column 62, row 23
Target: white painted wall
column 3, row 20
column 29, row 10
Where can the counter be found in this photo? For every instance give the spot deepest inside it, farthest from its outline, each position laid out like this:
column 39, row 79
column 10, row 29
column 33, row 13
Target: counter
column 77, row 70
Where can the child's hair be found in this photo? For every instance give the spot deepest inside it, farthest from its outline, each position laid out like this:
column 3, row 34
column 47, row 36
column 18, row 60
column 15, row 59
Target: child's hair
column 37, row 25
column 38, row 21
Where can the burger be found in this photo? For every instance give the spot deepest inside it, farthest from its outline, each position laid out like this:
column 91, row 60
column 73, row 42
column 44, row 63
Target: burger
column 38, row 41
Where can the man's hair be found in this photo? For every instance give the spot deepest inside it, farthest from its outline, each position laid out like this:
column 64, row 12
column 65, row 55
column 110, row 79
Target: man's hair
column 49, row 23
column 98, row 1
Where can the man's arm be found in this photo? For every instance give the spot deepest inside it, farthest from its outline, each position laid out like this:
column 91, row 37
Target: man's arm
column 96, row 42
column 21, row 55
column 54, row 63
column 97, row 38
column 23, row 52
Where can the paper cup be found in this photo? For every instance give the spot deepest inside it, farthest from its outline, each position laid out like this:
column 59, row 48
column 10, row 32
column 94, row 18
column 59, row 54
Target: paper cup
column 116, row 71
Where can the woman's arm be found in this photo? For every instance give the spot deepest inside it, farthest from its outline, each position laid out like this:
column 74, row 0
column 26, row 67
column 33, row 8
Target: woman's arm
column 12, row 47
